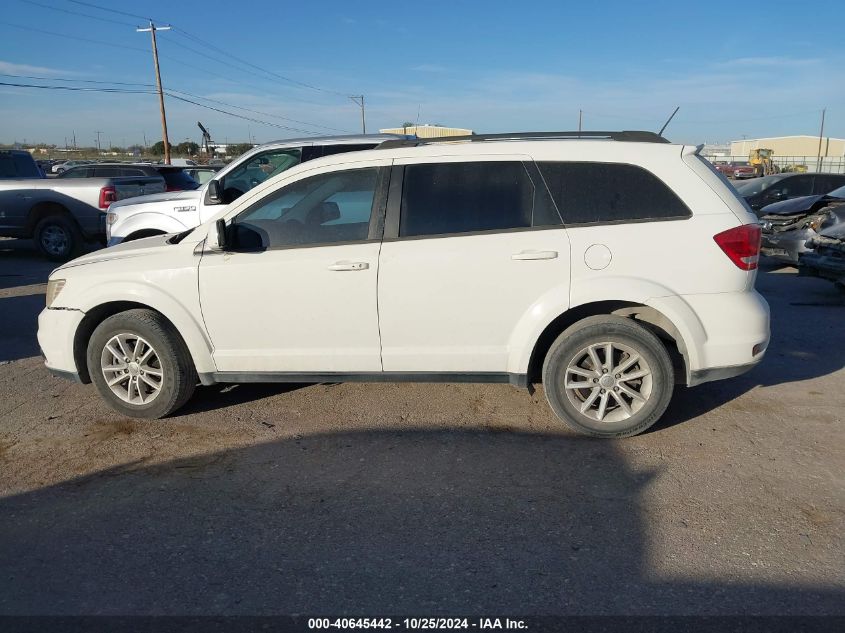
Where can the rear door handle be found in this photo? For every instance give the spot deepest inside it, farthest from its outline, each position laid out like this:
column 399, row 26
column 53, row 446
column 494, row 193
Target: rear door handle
column 528, row 255
column 349, row 266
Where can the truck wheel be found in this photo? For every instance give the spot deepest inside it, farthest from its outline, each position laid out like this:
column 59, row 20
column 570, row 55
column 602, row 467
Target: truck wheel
column 57, row 238
column 608, row 376
column 140, row 364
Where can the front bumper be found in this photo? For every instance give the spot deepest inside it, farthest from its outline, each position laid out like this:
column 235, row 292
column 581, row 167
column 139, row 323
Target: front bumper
column 56, row 332
column 812, row 264
column 787, row 246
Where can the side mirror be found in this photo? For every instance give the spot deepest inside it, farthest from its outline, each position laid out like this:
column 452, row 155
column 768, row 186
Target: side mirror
column 214, row 194
column 222, row 242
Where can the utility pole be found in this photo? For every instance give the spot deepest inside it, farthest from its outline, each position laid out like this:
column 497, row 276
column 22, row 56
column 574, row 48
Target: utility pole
column 359, row 100
column 580, row 115
column 98, row 141
column 152, row 29
column 821, row 133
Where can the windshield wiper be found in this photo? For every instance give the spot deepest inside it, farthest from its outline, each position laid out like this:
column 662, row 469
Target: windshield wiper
column 180, row 236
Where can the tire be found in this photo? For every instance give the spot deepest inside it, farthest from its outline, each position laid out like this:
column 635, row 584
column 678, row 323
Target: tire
column 569, row 362
column 169, row 358
column 58, row 238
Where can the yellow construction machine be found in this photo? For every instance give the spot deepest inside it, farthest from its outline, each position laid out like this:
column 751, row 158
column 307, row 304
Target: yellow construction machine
column 761, row 160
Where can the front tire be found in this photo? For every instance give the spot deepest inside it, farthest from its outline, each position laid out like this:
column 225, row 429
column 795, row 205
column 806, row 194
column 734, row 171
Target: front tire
column 608, row 376
column 140, row 364
column 58, row 238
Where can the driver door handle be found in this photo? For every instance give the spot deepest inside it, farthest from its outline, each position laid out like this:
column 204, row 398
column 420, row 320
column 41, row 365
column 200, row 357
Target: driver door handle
column 349, row 266
column 529, row 255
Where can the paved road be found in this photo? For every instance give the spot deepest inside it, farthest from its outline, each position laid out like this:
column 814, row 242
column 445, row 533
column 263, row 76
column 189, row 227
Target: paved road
column 431, row 499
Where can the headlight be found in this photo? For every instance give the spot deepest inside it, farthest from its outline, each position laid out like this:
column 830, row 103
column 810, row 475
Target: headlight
column 54, row 287
column 111, row 218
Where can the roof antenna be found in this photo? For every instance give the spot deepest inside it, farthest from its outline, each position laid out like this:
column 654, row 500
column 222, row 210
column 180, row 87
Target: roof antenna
column 660, row 133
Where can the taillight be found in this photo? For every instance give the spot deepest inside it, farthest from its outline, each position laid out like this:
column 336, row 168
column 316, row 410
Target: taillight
column 741, row 244
column 107, row 196
column 171, row 188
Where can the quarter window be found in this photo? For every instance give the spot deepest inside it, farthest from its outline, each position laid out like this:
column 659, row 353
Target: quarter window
column 333, row 207
column 595, row 193
column 466, row 197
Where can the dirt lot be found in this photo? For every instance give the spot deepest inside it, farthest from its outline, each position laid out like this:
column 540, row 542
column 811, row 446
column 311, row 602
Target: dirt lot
column 431, row 499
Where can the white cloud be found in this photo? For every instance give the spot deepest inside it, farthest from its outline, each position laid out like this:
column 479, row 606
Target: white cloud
column 25, row 69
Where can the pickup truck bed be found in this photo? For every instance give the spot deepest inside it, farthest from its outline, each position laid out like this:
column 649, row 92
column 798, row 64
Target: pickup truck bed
column 60, row 214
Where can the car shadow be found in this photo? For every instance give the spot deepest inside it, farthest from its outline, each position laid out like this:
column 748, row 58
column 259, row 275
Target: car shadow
column 212, row 397
column 367, row 523
column 19, row 326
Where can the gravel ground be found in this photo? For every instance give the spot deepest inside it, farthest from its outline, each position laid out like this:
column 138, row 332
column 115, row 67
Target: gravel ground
column 366, row 499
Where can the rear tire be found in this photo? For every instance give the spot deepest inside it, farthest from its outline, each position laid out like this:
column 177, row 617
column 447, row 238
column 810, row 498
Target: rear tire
column 140, row 365
column 58, row 238
column 608, row 376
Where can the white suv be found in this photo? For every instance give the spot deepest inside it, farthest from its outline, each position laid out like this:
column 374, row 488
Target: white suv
column 608, row 267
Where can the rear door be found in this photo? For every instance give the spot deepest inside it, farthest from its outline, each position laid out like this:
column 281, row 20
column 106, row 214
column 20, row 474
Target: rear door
column 469, row 249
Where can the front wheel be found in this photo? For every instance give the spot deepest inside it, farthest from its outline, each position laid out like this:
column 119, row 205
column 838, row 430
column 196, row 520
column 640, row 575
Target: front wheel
column 608, row 376
column 140, row 364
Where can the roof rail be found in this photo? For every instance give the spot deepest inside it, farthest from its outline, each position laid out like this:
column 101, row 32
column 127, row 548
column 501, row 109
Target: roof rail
column 635, row 136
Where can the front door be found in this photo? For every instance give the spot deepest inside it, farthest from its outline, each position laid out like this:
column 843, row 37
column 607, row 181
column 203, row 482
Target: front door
column 306, row 301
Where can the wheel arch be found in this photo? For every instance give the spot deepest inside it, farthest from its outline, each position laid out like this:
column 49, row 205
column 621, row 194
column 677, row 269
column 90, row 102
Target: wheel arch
column 650, row 317
column 41, row 210
column 194, row 338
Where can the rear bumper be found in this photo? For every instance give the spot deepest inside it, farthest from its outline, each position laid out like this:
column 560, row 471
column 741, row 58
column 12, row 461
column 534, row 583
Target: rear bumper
column 701, row 376
column 723, row 334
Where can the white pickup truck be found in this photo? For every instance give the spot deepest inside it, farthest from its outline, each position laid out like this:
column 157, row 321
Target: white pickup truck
column 178, row 211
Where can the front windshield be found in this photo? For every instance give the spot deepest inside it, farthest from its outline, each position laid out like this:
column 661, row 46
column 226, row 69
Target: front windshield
column 754, row 186
column 838, row 193
column 258, row 169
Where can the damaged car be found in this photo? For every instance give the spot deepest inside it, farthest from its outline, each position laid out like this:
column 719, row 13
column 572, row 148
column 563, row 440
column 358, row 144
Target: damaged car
column 788, row 225
column 759, row 192
column 826, row 259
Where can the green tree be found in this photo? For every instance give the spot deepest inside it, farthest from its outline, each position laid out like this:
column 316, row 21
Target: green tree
column 236, row 149
column 187, row 148
column 158, row 148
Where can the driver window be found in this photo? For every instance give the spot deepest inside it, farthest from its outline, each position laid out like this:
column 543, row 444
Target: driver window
column 258, row 169
column 333, row 207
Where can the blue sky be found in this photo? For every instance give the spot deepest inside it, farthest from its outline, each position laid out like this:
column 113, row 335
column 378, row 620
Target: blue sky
column 734, row 68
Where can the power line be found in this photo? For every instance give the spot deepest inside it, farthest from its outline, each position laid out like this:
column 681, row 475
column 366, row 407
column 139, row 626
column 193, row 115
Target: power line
column 87, row 81
column 77, row 88
column 73, row 37
column 87, row 15
column 168, row 93
column 216, row 48
column 240, row 116
column 275, row 116
column 129, row 15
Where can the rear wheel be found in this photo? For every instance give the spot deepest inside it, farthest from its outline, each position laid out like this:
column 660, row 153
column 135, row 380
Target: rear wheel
column 58, row 238
column 140, row 364
column 608, row 376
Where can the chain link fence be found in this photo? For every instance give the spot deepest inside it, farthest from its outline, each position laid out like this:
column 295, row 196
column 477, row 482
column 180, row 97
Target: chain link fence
column 826, row 165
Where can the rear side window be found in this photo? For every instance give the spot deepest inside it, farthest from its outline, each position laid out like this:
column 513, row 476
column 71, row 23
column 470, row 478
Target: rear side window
column 77, row 172
column 107, row 172
column 443, row 198
column 597, row 193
